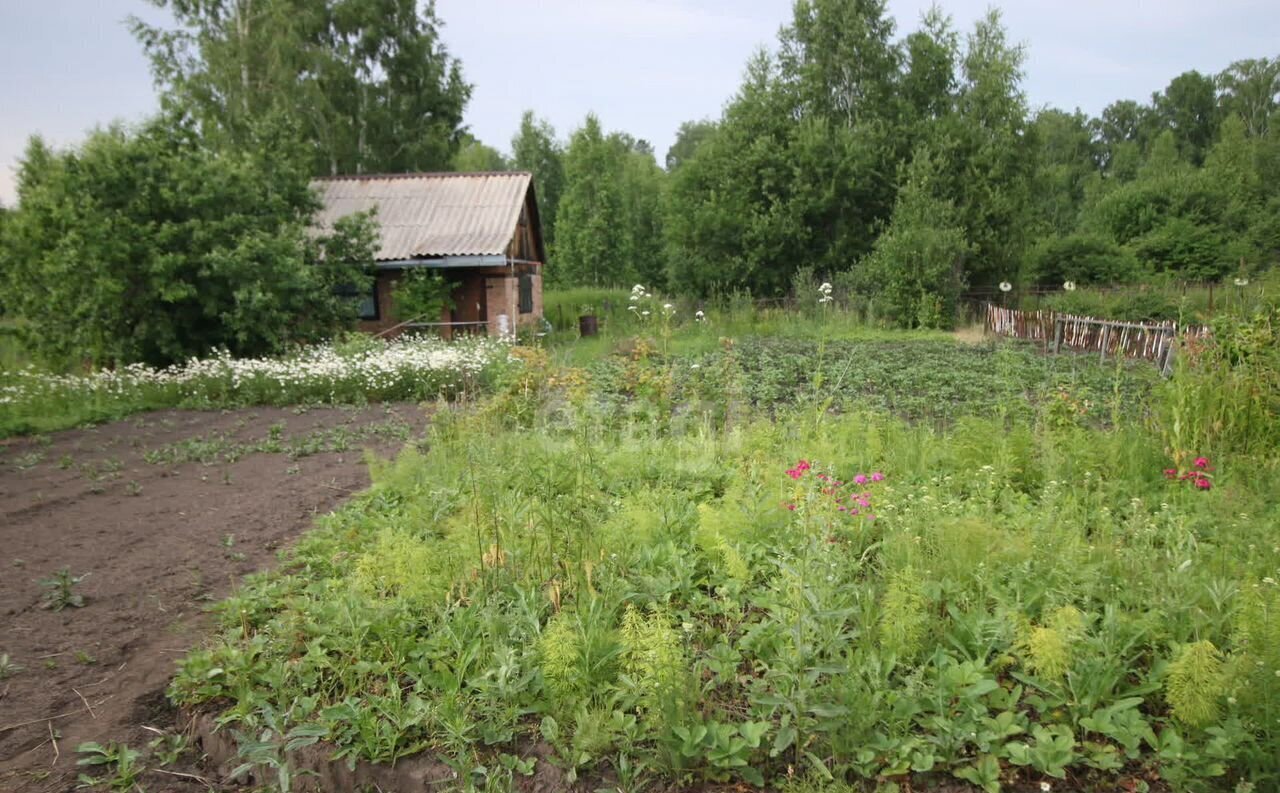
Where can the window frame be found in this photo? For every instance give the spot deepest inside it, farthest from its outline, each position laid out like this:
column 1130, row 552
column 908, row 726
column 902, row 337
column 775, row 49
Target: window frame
column 524, row 293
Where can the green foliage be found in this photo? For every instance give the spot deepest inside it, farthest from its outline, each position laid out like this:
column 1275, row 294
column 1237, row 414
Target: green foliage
column 638, row 595
column 367, row 84
column 421, row 294
column 903, row 614
column 1083, row 259
column 917, row 265
column 118, row 759
column 474, row 156
column 1195, row 684
column 560, row 656
column 609, row 216
column 689, row 137
column 536, row 150
column 145, row 245
column 61, row 590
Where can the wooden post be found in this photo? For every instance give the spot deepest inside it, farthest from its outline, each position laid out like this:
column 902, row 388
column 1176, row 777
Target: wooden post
column 1103, row 345
column 1057, row 335
column 1171, row 340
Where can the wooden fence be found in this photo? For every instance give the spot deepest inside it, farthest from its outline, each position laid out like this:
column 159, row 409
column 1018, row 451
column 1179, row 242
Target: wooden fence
column 1154, row 341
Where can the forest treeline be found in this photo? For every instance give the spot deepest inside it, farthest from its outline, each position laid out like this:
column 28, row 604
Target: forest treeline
column 903, row 167
column 913, row 168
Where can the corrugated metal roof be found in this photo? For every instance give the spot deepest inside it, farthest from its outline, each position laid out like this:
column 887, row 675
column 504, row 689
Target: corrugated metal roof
column 431, row 214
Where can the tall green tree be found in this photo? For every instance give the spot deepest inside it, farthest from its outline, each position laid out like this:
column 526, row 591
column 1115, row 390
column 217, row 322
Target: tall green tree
column 535, row 149
column 148, row 245
column 917, row 266
column 841, row 57
column 1066, row 161
column 1250, row 89
column 689, row 137
column 987, row 153
column 1188, row 107
column 593, row 244
column 368, row 84
column 727, row 224
column 1122, row 133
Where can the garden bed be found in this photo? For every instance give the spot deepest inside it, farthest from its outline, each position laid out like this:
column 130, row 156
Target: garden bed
column 161, row 514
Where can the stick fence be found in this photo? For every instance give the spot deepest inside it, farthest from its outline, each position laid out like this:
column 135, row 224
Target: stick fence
column 1154, row 341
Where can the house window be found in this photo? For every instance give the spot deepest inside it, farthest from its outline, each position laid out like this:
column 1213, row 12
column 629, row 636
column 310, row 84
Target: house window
column 526, row 293
column 366, row 301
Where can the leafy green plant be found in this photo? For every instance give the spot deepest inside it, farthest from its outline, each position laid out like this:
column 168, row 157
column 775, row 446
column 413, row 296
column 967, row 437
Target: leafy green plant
column 121, row 763
column 60, row 590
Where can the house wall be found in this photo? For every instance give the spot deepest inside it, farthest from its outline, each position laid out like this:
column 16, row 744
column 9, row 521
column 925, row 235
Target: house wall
column 384, row 284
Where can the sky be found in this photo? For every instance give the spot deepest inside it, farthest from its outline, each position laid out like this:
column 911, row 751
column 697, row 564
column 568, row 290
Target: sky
column 643, row 66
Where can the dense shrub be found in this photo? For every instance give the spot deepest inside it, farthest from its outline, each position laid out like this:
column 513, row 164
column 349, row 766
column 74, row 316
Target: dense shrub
column 1084, row 259
column 146, row 245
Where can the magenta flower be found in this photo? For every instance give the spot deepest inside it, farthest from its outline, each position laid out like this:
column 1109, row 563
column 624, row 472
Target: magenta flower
column 1201, row 462
column 861, row 479
column 877, row 477
column 1171, row 473
column 1203, row 483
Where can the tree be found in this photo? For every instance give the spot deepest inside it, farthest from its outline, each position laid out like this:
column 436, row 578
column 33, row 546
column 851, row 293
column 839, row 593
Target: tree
column 535, row 149
column 1122, row 134
column 366, row 83
column 474, row 156
column 1189, row 108
column 988, row 154
column 147, row 245
column 644, row 201
column 1066, row 158
column 593, row 246
column 917, row 265
column 1250, row 89
column 841, row 58
column 727, row 224
column 689, row 137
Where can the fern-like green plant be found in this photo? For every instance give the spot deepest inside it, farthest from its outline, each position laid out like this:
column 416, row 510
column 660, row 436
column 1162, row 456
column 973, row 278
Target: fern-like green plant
column 652, row 655
column 904, row 614
column 1195, row 684
column 711, row 538
column 560, row 655
column 1049, row 653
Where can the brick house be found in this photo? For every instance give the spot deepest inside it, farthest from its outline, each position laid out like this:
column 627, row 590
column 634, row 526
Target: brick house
column 479, row 230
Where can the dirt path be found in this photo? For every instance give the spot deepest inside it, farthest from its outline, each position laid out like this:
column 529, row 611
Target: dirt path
column 162, row 514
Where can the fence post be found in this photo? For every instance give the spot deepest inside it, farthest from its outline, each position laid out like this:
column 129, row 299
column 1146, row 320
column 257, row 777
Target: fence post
column 1106, row 331
column 1058, row 324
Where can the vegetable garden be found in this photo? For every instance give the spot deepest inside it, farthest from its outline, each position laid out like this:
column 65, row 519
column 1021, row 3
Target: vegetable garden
column 664, row 571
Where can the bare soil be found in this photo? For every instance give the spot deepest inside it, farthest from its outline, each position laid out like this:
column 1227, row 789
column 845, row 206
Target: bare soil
column 162, row 513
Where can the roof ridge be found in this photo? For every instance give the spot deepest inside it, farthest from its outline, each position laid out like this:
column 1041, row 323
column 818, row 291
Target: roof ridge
column 360, row 177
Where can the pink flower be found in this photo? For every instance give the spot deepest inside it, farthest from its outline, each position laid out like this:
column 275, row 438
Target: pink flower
column 862, row 502
column 860, row 479
column 1171, row 473
column 1203, row 483
column 1201, row 462
column 791, row 507
column 877, row 477
column 803, row 465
